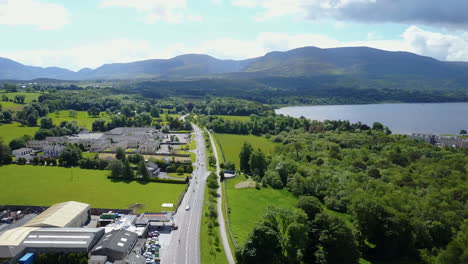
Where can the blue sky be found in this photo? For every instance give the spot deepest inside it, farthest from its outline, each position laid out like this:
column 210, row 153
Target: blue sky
column 76, row 34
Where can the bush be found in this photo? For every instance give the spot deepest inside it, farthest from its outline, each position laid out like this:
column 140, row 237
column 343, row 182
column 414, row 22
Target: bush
column 273, row 179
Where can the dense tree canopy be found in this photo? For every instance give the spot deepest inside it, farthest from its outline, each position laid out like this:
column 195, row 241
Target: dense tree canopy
column 404, row 197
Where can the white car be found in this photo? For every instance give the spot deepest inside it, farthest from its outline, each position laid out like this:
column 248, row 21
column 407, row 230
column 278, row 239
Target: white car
column 187, row 208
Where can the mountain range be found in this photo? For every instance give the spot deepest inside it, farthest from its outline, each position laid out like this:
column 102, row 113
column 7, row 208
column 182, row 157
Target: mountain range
column 307, row 62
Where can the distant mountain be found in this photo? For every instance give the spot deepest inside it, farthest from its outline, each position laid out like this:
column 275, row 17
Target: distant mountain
column 191, row 65
column 12, row 70
column 357, row 63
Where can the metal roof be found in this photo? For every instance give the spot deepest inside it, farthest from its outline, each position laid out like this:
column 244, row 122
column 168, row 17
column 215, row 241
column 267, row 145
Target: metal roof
column 120, row 241
column 14, row 237
column 145, row 218
column 62, row 238
column 59, row 215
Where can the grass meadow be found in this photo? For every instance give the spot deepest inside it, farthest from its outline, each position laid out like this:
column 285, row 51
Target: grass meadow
column 247, row 205
column 29, row 97
column 82, row 118
column 231, row 145
column 15, row 130
column 234, row 118
column 10, row 106
column 39, row 185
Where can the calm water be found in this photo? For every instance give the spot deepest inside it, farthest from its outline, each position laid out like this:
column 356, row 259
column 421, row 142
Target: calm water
column 438, row 118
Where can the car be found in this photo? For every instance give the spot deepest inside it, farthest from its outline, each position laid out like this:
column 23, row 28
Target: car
column 188, row 207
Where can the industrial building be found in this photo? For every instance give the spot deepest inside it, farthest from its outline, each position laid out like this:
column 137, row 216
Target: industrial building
column 66, row 240
column 68, row 214
column 115, row 245
column 10, row 241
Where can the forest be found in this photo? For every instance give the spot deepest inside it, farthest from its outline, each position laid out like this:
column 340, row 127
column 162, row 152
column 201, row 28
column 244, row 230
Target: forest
column 362, row 194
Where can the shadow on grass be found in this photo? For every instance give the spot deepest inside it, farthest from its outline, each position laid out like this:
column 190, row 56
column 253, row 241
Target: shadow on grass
column 144, row 182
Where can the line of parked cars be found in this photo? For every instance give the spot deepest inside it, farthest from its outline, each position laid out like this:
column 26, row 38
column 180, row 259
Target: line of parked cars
column 152, row 248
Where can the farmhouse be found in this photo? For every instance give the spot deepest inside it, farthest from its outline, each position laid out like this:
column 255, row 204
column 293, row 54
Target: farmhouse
column 153, row 169
column 23, row 153
column 53, row 151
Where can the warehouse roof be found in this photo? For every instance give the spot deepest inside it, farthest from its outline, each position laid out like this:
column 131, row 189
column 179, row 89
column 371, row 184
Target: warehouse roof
column 83, row 238
column 14, row 237
column 59, row 215
column 115, row 244
column 145, row 218
column 132, row 258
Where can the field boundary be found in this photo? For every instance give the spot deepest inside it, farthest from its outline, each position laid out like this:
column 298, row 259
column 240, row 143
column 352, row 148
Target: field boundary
column 226, row 209
column 220, row 147
column 181, row 197
column 171, row 181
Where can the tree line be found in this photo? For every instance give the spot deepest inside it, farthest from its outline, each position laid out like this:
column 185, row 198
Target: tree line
column 392, row 198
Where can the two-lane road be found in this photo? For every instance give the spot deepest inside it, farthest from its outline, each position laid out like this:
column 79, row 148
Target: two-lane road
column 184, row 247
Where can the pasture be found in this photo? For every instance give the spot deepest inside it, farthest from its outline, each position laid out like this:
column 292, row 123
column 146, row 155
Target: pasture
column 29, row 97
column 82, row 118
column 247, row 205
column 10, row 106
column 234, row 118
column 27, row 185
column 15, row 130
column 231, row 145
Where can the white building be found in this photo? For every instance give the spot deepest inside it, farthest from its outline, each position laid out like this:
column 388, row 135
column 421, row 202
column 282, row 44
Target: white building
column 23, row 153
column 68, row 214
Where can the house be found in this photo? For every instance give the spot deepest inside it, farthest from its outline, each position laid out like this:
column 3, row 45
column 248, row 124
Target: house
column 153, row 169
column 23, row 153
column 37, row 144
column 53, row 151
column 148, row 146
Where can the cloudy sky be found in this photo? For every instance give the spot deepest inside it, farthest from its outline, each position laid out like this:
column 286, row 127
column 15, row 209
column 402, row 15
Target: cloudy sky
column 76, row 34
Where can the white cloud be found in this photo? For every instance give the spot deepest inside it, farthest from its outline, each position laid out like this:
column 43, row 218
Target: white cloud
column 42, row 15
column 170, row 11
column 88, row 55
column 451, row 13
column 440, row 46
column 414, row 39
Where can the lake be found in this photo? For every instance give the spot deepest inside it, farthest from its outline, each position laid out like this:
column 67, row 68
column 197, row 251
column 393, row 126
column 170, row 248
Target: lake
column 437, row 118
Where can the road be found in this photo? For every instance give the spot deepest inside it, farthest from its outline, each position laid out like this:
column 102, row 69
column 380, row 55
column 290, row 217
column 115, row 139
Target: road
column 222, row 225
column 184, row 247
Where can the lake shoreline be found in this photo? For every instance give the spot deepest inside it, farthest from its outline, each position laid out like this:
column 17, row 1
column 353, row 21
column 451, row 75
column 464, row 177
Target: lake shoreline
column 401, row 118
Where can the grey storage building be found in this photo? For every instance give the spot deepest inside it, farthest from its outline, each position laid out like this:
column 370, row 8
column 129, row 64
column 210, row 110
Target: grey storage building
column 132, row 258
column 66, row 240
column 115, row 245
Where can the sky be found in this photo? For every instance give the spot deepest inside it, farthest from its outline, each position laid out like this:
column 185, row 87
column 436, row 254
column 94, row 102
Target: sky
column 89, row 33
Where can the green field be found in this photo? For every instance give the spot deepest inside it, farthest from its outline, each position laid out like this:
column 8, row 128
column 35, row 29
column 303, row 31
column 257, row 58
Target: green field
column 27, row 185
column 180, row 176
column 82, row 118
column 234, row 118
column 29, row 97
column 453, row 135
column 247, row 205
column 231, row 145
column 11, row 106
column 15, row 130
